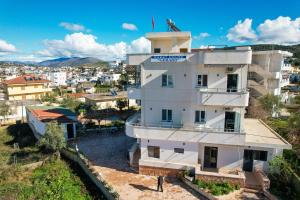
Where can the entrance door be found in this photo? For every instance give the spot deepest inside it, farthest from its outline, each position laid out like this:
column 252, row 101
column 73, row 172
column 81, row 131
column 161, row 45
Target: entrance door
column 248, row 160
column 229, row 121
column 70, row 130
column 210, row 157
column 232, row 82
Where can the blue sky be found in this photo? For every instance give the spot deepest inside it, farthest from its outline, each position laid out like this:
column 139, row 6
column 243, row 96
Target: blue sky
column 34, row 30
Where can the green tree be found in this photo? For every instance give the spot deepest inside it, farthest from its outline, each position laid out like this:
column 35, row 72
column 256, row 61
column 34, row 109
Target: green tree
column 53, row 139
column 72, row 104
column 270, row 103
column 4, row 110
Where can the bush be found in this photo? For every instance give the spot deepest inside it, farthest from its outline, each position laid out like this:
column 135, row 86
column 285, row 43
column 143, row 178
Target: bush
column 217, row 189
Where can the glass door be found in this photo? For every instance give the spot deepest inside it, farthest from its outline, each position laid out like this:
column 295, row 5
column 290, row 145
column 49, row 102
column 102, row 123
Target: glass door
column 210, row 157
column 229, row 122
column 232, row 82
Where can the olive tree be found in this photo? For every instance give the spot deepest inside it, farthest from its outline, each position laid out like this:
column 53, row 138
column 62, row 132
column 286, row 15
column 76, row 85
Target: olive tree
column 53, row 139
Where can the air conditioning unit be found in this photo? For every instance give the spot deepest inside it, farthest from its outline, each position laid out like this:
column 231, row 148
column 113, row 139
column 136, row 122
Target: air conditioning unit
column 229, row 69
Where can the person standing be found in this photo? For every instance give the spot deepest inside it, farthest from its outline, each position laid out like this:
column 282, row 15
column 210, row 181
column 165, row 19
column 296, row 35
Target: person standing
column 160, row 181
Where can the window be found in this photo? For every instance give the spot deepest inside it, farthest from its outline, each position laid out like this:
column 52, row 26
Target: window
column 22, row 88
column 167, row 80
column 23, row 97
column 199, row 116
column 156, row 50
column 178, row 150
column 153, row 151
column 183, row 50
column 166, row 115
column 36, row 86
column 260, row 155
column 202, row 80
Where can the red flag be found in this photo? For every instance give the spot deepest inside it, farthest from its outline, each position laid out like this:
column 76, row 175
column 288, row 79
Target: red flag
column 153, row 23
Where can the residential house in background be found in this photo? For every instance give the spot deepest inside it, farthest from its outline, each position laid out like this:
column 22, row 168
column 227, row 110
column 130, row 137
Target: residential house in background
column 58, row 78
column 39, row 116
column 26, row 87
column 192, row 111
column 269, row 72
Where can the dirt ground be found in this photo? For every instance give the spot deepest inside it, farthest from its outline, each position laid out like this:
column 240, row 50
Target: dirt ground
column 108, row 152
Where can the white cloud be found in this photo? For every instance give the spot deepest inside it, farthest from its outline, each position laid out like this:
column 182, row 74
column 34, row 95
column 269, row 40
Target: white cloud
column 72, row 26
column 130, row 27
column 82, row 45
column 201, row 36
column 242, row 32
column 5, row 47
column 282, row 30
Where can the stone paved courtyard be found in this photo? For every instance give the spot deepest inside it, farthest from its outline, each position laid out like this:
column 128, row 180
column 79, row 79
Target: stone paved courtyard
column 109, row 155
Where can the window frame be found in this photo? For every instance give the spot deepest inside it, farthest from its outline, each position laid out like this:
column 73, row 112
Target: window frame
column 156, row 50
column 260, row 155
column 201, row 120
column 202, row 79
column 155, row 153
column 167, row 80
column 179, row 150
column 166, row 114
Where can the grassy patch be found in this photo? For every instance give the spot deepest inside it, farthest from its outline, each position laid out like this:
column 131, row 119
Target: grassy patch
column 54, row 180
column 217, row 189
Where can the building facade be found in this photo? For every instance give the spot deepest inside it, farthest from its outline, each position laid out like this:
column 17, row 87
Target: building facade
column 269, row 72
column 26, row 87
column 192, row 110
column 58, row 78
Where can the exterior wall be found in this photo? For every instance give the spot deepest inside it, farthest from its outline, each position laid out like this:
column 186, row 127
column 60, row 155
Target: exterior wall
column 231, row 157
column 171, row 45
column 167, row 154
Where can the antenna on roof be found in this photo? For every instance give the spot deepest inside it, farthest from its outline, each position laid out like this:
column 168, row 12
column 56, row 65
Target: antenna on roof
column 171, row 26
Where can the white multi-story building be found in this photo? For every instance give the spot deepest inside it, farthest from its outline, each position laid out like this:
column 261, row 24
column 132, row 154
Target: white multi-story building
column 58, row 78
column 192, row 110
column 269, row 72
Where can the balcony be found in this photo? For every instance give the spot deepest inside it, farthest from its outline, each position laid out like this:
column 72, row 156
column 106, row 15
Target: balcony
column 223, row 97
column 134, row 92
column 178, row 132
column 255, row 133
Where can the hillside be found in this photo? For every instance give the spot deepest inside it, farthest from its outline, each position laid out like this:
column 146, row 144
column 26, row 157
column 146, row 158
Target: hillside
column 74, row 61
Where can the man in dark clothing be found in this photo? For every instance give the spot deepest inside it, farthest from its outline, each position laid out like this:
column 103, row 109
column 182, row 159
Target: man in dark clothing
column 160, row 181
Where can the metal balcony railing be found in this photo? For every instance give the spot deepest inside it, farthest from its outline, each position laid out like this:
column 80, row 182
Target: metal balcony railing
column 222, row 90
column 135, row 121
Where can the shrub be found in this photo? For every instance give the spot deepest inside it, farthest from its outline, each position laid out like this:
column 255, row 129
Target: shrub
column 217, row 189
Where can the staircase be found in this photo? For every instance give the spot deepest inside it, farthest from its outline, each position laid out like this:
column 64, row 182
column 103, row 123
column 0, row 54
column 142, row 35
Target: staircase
column 260, row 70
column 257, row 89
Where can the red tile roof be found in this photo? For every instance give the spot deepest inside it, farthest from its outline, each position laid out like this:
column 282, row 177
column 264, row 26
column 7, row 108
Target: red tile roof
column 76, row 95
column 26, row 79
column 50, row 115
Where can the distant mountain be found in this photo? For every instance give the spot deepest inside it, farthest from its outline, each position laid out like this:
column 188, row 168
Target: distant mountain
column 73, row 61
